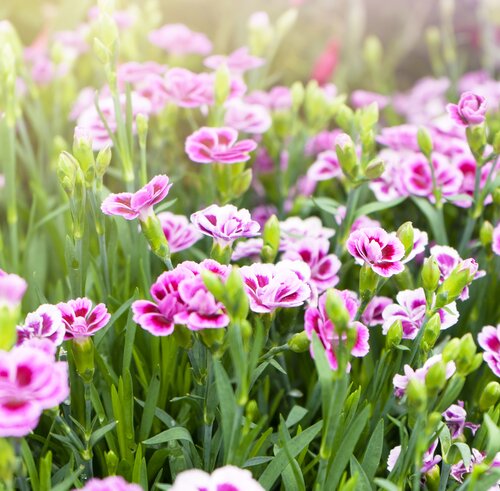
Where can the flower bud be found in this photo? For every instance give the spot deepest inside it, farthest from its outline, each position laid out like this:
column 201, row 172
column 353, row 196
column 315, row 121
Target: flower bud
column 82, row 151
column 368, row 117
column 435, row 379
column 101, row 51
column 236, row 298
column 108, row 30
column 246, row 331
column 372, row 50
column 344, row 117
column 486, row 233
column 430, row 274
column 336, row 311
column 433, row 478
column 102, row 161
column 375, row 169
column 464, row 360
column 183, row 336
column 406, row 235
column 299, row 342
column 241, row 183
column 142, row 122
column 297, row 93
column 476, row 138
column 67, row 170
column 346, row 154
column 416, row 392
column 432, row 329
column 286, row 21
column 83, row 356
column 220, row 253
column 214, row 284
column 489, row 396
column 271, row 237
column 424, row 142
column 394, row 334
column 111, row 462
column 153, row 231
column 222, row 84
column 450, row 351
column 452, row 286
column 368, row 281
column 252, row 410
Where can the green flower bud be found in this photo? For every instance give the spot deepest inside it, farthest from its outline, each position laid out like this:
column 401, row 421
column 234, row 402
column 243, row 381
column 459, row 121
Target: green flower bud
column 424, row 142
column 221, row 254
column 344, row 117
column 435, row 379
column 142, row 122
column 433, row 478
column 368, row 117
column 416, row 393
column 102, row 161
column 299, row 342
column 375, row 169
column 241, row 183
column 246, row 331
column 406, row 235
column 108, row 30
column 214, row 284
column 430, row 274
column 83, row 356
column 153, row 231
column 298, row 93
column 271, row 238
column 486, row 233
column 111, row 462
column 496, row 196
column 368, row 281
column 183, row 336
column 346, row 154
column 453, row 286
column 67, row 170
column 236, row 298
column 252, row 410
column 212, row 338
column 476, row 138
column 432, row 330
column 222, row 84
column 489, row 396
column 394, row 334
column 466, row 354
column 450, row 351
column 82, row 151
column 336, row 311
column 286, row 21
column 373, row 50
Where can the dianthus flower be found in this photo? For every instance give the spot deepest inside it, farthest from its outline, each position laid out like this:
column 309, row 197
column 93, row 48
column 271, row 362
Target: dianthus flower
column 45, row 322
column 178, row 39
column 111, row 483
column 238, row 61
column 179, row 233
column 80, row 319
column 489, row 340
column 470, row 110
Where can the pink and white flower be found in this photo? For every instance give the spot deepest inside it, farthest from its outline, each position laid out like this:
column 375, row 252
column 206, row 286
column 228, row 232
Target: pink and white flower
column 225, row 224
column 139, row 204
column 382, row 251
column 495, row 246
column 111, row 483
column 455, row 417
column 238, row 61
column 467, row 166
column 12, row 289
column 489, row 340
column 294, row 229
column 45, row 322
column 278, row 98
column 316, row 320
column 228, row 478
column 208, row 145
column 470, row 110
column 30, row 382
column 363, row 98
column 247, row 248
column 325, row 167
column 179, row 233
column 248, row 118
column 81, row 319
column 459, row 470
column 372, row 316
column 428, row 460
column 178, row 39
column 187, row 89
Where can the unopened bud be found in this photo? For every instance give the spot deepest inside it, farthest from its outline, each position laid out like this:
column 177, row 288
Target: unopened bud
column 476, row 138
column 252, row 410
column 394, row 334
column 344, row 117
column 214, row 284
column 108, row 30
column 466, row 354
column 486, row 233
column 236, row 298
column 112, row 461
column 82, row 151
column 368, row 281
column 102, row 161
column 222, row 84
column 496, row 142
column 432, row 330
column 271, row 238
column 220, row 253
column 153, row 231
column 489, row 396
column 299, row 342
column 450, row 351
column 430, row 274
column 67, row 170
column 336, row 311
column 298, row 93
column 424, row 142
column 83, row 355
column 375, row 169
column 101, row 51
column 496, row 195
column 212, row 338
column 435, row 379
column 416, row 393
column 405, row 234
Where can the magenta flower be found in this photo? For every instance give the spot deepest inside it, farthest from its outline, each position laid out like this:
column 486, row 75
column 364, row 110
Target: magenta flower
column 248, row 118
column 489, row 340
column 179, row 232
column 400, row 382
column 495, row 246
column 382, row 251
column 459, row 470
column 372, row 316
column 410, row 310
column 228, row 478
column 470, row 110
column 111, row 483
column 225, row 224
column 139, row 204
column 401, row 137
column 80, row 319
column 180, row 297
column 272, row 286
column 178, row 39
column 209, row 145
column 321, row 142
column 467, row 166
column 316, row 320
column 30, row 382
column 12, row 289
column 247, row 248
column 187, row 89
column 314, row 252
column 238, row 61
column 455, row 417
column 263, row 212
column 45, row 322
column 325, row 167
column 428, row 460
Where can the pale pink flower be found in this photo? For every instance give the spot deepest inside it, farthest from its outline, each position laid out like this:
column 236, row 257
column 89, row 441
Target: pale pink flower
column 238, row 61
column 179, row 232
column 401, row 137
column 489, row 340
column 187, row 89
column 321, row 142
column 362, row 98
column 225, row 224
column 12, row 289
column 382, row 251
column 372, row 316
column 139, row 204
column 316, row 320
column 428, row 460
column 455, row 417
column 134, row 72
column 81, row 319
column 495, row 246
column 467, row 165
column 272, row 286
column 45, row 322
column 73, row 42
column 228, row 478
column 294, row 229
column 262, row 213
column 248, row 118
column 208, row 145
column 470, row 110
column 410, row 310
column 123, row 18
column 247, row 248
column 111, row 483
column 276, row 99
column 459, row 470
column 178, row 39
column 84, row 100
column 325, row 167
column 30, row 382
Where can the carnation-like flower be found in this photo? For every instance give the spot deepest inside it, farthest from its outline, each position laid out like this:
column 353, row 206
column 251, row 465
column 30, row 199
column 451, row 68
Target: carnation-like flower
column 249, row 118
column 410, row 310
column 325, row 167
column 247, row 248
column 45, row 322
column 495, row 246
column 30, row 382
column 468, row 166
column 316, row 320
column 179, row 232
column 428, row 459
column 363, row 98
column 238, row 61
column 372, row 316
column 459, row 470
column 208, row 145
column 382, row 251
column 80, row 319
column 225, row 224
column 321, row 142
column 12, row 289
column 271, row 286
column 228, row 478
column 187, row 89
column 139, row 204
column 111, row 483
column 180, row 297
column 276, row 99
column 178, row 39
column 470, row 110
column 294, row 229
column 489, row 340
column 455, row 417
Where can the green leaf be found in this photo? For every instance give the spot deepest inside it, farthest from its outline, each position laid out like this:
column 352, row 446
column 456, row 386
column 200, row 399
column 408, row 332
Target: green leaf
column 434, row 219
column 363, row 482
column 30, row 464
column 445, row 440
column 173, row 434
column 493, row 436
column 68, row 482
column 165, row 205
column 327, row 204
column 375, row 206
column 373, row 452
column 150, row 404
column 386, row 484
column 464, row 450
column 101, row 432
column 295, row 415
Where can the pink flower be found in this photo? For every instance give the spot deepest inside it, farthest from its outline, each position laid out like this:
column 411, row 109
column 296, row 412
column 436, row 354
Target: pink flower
column 12, row 289
column 459, row 470
column 272, row 286
column 276, row 99
column 324, row 140
column 30, row 382
column 187, row 89
column 249, row 118
column 294, row 229
column 383, row 252
column 247, row 248
column 178, row 39
column 45, row 322
column 138, row 204
column 179, row 232
column 314, row 252
column 372, row 316
column 411, row 309
column 402, row 137
column 325, row 64
column 180, row 297
column 495, row 246
column 316, row 320
column 455, row 417
column 80, row 319
column 470, row 110
column 489, row 340
column 262, row 213
column 428, row 460
column 400, row 382
column 362, row 98
column 325, row 167
column 225, row 224
column 208, row 145
column 228, row 478
column 133, row 72
column 238, row 61
column 111, row 483
column 467, row 166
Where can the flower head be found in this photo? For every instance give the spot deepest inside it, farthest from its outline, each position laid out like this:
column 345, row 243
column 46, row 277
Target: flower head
column 45, row 322
column 238, row 61
column 208, row 145
column 428, row 460
column 111, row 483
column 179, row 232
column 294, row 229
column 178, row 39
column 12, row 289
column 325, row 167
column 470, row 110
column 372, row 316
column 249, row 118
column 187, row 89
column 495, row 246
column 80, row 319
column 455, row 417
column 489, row 340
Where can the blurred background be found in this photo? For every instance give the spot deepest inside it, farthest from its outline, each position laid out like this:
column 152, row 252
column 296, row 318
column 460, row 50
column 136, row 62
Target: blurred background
column 468, row 30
